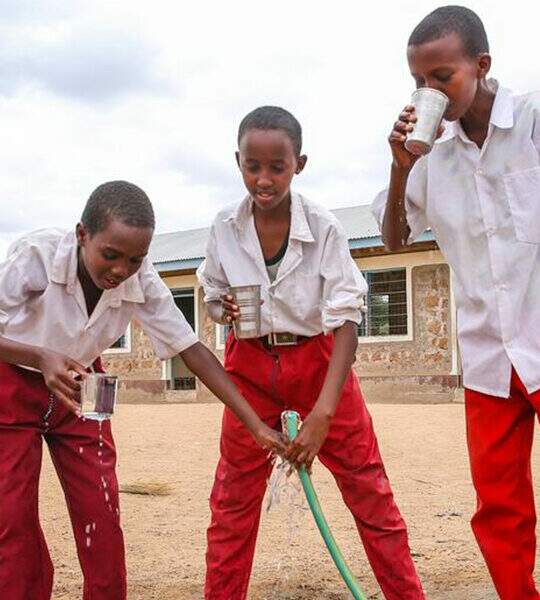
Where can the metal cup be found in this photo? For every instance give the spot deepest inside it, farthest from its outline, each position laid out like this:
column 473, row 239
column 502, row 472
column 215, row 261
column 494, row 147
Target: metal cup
column 98, row 396
column 248, row 300
column 430, row 106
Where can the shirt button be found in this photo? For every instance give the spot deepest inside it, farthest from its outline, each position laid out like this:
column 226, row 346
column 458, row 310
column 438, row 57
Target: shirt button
column 479, row 172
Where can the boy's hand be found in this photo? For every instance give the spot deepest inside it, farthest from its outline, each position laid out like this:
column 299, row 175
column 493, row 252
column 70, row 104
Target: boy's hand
column 270, row 439
column 402, row 127
column 404, row 159
column 58, row 372
column 305, row 447
column 231, row 312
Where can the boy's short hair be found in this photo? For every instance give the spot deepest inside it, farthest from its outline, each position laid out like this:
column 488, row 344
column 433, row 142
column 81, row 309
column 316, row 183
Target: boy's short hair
column 117, row 200
column 452, row 19
column 273, row 117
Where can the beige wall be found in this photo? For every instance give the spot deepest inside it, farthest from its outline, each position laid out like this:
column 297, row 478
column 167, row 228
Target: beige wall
column 420, row 367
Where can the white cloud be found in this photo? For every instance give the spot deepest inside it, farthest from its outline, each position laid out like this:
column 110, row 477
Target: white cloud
column 154, row 92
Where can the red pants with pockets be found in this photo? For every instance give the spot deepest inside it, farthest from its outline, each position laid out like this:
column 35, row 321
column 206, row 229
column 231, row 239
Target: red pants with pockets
column 291, row 377
column 500, row 435
column 85, row 463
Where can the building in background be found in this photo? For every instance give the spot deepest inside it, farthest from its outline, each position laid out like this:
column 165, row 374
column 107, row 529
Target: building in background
column 407, row 349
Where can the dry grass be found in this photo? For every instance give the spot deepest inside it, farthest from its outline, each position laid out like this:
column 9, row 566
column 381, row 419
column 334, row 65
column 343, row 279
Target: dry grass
column 147, row 488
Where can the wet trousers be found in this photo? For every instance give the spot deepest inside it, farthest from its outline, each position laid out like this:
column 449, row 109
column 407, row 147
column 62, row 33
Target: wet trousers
column 290, row 378
column 84, row 457
column 500, row 436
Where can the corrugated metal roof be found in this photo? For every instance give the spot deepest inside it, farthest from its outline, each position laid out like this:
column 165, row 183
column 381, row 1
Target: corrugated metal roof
column 357, row 221
column 186, row 245
column 179, row 245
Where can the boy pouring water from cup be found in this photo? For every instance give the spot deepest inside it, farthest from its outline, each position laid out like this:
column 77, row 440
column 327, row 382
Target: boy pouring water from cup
column 64, row 299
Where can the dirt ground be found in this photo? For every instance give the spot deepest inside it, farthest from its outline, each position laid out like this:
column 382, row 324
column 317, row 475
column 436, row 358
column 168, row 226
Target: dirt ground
column 424, row 451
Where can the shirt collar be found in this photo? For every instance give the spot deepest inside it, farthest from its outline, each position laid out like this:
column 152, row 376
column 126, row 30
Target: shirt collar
column 64, row 272
column 502, row 116
column 300, row 229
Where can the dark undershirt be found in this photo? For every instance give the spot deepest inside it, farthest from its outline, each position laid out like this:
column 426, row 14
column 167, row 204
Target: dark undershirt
column 280, row 254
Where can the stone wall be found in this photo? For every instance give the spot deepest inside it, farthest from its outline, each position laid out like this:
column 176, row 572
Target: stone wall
column 139, row 370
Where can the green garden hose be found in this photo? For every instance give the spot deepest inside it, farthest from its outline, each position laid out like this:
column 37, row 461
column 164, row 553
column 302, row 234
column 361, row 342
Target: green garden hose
column 290, row 418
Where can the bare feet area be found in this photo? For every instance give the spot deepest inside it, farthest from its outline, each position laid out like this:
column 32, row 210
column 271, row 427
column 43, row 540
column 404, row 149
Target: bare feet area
column 174, row 449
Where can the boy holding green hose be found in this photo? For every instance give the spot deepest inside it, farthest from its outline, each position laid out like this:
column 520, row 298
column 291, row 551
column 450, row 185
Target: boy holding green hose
column 312, row 293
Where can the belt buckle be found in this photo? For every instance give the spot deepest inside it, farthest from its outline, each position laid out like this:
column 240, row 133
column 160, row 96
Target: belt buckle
column 282, row 339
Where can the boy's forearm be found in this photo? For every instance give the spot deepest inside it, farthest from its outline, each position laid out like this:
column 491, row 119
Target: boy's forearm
column 20, row 354
column 343, row 357
column 210, row 371
column 395, row 230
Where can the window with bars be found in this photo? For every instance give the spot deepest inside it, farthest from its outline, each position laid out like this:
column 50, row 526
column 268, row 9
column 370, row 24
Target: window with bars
column 386, row 303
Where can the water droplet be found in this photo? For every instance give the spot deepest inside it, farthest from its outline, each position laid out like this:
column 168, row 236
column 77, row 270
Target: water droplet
column 88, row 542
column 81, row 449
column 87, row 529
column 93, row 526
column 106, row 497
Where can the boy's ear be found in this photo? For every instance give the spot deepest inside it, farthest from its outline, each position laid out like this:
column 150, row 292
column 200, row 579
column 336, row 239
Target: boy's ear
column 81, row 233
column 484, row 64
column 300, row 163
column 237, row 155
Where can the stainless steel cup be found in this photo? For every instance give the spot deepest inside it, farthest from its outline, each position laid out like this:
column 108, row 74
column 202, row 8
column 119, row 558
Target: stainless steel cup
column 98, row 396
column 248, row 300
column 430, row 106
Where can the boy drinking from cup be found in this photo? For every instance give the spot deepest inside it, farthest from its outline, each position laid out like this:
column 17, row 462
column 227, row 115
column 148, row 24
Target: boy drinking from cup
column 312, row 296
column 479, row 192
column 64, row 299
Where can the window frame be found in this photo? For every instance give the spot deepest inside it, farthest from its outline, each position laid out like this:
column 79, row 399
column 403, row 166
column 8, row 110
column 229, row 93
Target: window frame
column 408, row 337
column 220, row 329
column 126, row 349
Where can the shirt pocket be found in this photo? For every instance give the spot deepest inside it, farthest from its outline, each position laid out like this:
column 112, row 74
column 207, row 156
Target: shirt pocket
column 523, row 193
column 308, row 295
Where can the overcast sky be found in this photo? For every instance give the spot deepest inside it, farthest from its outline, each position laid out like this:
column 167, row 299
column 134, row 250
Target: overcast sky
column 153, row 92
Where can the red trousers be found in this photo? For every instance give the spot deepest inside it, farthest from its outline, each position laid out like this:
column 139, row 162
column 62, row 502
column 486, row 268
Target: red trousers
column 84, row 456
column 499, row 436
column 291, row 377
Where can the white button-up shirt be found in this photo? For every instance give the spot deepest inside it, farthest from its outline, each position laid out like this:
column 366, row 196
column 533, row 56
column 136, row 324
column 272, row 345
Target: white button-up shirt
column 318, row 286
column 42, row 303
column 483, row 207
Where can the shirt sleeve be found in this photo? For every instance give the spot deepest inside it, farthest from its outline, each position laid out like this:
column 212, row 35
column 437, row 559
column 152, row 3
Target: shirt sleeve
column 344, row 286
column 22, row 275
column 415, row 201
column 210, row 273
column 161, row 319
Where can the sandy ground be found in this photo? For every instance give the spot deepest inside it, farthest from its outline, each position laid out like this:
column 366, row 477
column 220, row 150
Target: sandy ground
column 424, row 451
